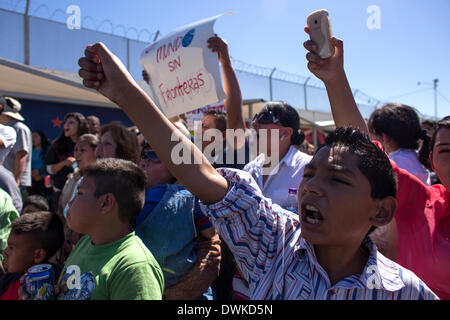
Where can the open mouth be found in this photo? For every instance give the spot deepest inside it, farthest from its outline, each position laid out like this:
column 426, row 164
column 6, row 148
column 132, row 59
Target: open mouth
column 311, row 214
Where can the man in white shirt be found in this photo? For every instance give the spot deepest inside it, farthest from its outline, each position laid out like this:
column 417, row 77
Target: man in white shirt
column 7, row 140
column 288, row 172
column 18, row 161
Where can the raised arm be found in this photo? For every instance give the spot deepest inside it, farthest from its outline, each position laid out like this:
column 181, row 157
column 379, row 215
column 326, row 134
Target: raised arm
column 233, row 102
column 331, row 72
column 103, row 71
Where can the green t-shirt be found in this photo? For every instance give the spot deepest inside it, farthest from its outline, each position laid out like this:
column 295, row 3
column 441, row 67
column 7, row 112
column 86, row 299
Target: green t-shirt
column 122, row 270
column 8, row 213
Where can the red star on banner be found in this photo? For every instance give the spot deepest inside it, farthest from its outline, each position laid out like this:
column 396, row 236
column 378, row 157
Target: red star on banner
column 57, row 122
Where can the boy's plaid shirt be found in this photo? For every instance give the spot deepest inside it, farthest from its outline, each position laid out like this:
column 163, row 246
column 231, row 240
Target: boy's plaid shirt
column 279, row 264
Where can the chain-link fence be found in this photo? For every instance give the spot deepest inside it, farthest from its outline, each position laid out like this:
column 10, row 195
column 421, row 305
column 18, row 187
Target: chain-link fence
column 50, row 44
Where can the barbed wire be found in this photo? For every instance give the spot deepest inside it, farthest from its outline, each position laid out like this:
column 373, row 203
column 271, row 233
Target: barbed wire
column 241, row 66
column 44, row 12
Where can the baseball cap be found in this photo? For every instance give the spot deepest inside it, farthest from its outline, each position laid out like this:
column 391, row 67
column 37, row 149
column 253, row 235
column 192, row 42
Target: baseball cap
column 11, row 107
column 285, row 115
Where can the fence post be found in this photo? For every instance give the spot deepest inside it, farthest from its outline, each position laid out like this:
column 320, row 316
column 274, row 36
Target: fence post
column 304, row 91
column 128, row 54
column 26, row 31
column 270, row 83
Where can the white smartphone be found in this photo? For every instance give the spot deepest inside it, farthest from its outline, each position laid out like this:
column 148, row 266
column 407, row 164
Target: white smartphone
column 320, row 32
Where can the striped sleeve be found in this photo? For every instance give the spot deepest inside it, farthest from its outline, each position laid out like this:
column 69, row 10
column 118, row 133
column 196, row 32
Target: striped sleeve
column 245, row 220
column 415, row 288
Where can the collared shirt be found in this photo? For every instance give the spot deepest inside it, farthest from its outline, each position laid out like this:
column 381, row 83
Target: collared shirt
column 23, row 143
column 279, row 264
column 289, row 175
column 8, row 136
column 408, row 160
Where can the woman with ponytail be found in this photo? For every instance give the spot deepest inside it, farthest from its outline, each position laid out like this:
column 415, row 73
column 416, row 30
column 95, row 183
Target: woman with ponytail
column 398, row 128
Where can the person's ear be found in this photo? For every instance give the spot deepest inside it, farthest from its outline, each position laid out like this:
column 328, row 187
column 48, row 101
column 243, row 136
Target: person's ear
column 286, row 133
column 107, row 202
column 384, row 211
column 39, row 256
column 431, row 161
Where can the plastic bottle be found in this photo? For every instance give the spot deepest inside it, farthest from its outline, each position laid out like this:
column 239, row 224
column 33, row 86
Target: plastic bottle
column 292, row 204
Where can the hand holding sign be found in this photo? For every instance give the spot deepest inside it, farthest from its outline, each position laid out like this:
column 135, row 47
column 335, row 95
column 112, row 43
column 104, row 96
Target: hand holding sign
column 183, row 72
column 220, row 46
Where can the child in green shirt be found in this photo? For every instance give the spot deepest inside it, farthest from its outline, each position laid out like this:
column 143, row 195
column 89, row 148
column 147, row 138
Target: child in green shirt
column 110, row 261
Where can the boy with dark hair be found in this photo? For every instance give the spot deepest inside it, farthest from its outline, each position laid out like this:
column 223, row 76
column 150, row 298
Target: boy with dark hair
column 110, row 262
column 34, row 239
column 322, row 253
column 35, row 203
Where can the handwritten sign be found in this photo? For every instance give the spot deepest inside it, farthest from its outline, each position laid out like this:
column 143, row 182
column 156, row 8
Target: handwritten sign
column 184, row 72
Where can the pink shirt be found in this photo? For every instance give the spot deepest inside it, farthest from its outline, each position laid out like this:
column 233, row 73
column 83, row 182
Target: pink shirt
column 423, row 226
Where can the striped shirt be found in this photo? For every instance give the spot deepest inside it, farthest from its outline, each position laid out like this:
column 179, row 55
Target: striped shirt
column 280, row 264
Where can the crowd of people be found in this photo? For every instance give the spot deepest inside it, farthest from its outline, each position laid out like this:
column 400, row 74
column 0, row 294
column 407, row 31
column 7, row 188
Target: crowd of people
column 365, row 216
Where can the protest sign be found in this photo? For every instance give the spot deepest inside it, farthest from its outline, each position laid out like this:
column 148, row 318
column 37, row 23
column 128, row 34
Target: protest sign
column 183, row 71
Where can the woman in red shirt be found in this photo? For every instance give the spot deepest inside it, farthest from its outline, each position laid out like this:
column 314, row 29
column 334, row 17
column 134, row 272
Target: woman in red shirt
column 420, row 233
column 423, row 218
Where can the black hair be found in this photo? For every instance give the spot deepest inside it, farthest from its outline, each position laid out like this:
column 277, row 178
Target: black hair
column 443, row 123
column 401, row 123
column 372, row 161
column 64, row 145
column 220, row 118
column 288, row 117
column 37, row 201
column 2, row 103
column 46, row 228
column 125, row 180
column 45, row 143
column 428, row 123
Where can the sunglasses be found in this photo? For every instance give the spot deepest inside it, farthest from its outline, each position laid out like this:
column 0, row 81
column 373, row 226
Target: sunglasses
column 150, row 155
column 266, row 117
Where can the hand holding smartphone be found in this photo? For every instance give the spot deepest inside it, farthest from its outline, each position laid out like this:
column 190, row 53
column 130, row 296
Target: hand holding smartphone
column 320, row 32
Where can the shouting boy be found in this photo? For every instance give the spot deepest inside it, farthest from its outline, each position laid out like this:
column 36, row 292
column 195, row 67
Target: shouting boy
column 323, row 253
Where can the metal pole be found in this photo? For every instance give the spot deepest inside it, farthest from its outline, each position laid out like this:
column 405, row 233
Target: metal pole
column 156, row 36
column 128, row 54
column 26, row 31
column 315, row 138
column 270, row 83
column 435, row 84
column 304, row 91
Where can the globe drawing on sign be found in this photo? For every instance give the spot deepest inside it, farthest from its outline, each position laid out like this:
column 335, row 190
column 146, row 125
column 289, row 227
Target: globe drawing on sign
column 188, row 37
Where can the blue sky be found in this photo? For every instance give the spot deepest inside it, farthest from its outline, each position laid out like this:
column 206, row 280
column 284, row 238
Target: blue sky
column 412, row 44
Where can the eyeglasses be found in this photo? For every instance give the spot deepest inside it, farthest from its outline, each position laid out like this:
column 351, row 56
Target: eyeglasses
column 266, row 117
column 150, row 155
